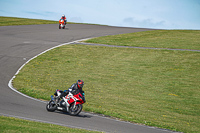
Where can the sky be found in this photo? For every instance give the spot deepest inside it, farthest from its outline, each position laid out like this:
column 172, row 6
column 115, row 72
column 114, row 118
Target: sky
column 156, row 14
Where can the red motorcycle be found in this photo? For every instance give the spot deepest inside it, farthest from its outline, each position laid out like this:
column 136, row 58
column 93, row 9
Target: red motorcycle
column 62, row 24
column 71, row 104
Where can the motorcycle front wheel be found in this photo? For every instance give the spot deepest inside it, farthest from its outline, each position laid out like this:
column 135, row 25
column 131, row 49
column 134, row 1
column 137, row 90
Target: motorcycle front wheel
column 51, row 106
column 75, row 110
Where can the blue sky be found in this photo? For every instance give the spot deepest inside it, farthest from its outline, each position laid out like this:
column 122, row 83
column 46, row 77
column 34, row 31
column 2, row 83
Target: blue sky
column 159, row 14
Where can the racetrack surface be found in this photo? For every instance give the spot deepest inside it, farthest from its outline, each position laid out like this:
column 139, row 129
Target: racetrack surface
column 18, row 44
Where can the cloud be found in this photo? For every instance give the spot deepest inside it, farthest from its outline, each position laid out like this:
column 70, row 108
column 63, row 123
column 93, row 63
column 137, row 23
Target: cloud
column 46, row 15
column 146, row 23
column 34, row 13
column 76, row 19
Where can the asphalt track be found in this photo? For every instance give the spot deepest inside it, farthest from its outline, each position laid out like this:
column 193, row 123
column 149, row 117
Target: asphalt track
column 18, row 44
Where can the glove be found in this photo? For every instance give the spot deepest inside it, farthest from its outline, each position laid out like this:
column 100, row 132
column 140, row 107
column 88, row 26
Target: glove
column 84, row 99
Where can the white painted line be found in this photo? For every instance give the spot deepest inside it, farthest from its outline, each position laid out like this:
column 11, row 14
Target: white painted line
column 11, row 80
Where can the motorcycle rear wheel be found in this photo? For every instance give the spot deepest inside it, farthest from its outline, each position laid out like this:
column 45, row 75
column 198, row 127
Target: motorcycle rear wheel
column 51, row 107
column 76, row 110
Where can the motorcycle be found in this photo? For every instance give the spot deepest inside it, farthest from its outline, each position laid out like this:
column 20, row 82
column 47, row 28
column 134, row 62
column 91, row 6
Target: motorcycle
column 71, row 104
column 62, row 24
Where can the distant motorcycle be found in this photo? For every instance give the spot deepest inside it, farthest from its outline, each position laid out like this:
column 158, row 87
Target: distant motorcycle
column 71, row 104
column 62, row 24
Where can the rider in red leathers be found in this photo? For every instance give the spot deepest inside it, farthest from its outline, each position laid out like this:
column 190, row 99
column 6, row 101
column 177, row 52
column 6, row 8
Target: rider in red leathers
column 64, row 18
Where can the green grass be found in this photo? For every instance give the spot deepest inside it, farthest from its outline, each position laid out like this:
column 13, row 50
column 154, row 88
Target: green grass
column 5, row 21
column 14, row 125
column 153, row 87
column 9, row 21
column 181, row 39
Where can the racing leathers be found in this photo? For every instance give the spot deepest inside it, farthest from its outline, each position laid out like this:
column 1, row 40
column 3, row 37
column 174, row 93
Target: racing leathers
column 65, row 19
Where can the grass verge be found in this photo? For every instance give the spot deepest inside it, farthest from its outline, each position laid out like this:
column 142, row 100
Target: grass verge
column 15, row 125
column 177, row 39
column 153, row 87
column 8, row 21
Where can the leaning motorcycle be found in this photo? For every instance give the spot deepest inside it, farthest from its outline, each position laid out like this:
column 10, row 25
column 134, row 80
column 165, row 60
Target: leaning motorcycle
column 62, row 24
column 71, row 104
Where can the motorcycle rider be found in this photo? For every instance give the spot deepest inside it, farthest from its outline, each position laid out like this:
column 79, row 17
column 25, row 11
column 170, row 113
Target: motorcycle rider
column 64, row 18
column 74, row 89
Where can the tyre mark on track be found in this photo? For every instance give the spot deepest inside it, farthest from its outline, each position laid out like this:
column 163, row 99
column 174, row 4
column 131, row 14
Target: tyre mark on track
column 81, row 43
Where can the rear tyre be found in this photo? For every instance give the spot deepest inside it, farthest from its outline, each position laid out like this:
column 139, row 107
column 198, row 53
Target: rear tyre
column 75, row 110
column 51, row 107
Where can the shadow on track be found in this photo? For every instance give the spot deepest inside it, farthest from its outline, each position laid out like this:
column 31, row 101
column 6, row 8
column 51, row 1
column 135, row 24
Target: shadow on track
column 81, row 115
